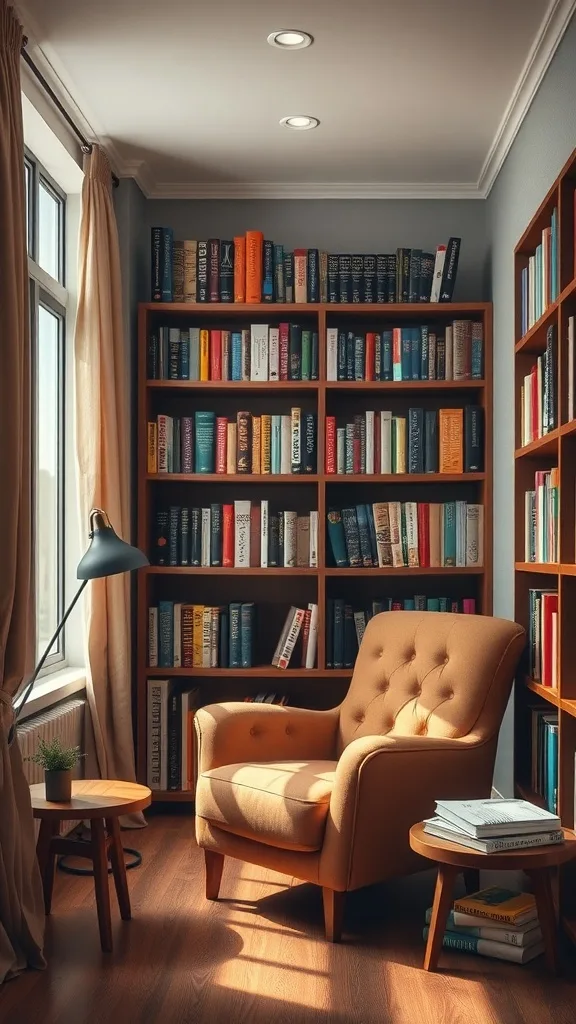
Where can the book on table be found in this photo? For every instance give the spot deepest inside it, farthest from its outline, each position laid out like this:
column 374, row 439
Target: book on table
column 447, row 830
column 483, row 819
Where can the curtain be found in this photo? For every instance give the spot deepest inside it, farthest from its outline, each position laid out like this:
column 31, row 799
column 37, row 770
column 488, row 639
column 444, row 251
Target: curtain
column 102, row 447
column 21, row 905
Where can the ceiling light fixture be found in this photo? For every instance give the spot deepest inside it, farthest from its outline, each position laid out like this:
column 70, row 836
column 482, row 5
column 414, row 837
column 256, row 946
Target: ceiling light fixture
column 300, row 122
column 290, row 39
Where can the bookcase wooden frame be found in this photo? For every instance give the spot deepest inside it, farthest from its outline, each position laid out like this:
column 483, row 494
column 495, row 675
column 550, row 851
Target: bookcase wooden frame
column 557, row 448
column 475, row 391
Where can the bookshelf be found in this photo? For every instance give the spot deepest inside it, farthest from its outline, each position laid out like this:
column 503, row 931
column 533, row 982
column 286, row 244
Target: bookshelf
column 546, row 685
column 275, row 589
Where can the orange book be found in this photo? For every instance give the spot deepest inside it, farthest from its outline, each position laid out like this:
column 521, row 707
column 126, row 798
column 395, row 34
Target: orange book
column 254, row 246
column 256, row 444
column 240, row 269
column 221, row 439
column 204, row 355
column 451, row 440
column 231, row 448
column 370, row 356
column 152, row 457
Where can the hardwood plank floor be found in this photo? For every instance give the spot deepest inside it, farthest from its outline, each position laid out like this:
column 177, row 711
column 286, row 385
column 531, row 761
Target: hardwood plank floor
column 258, row 956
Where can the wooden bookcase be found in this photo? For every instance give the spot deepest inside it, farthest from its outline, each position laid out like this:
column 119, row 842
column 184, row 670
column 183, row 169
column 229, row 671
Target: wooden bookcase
column 275, row 589
column 555, row 449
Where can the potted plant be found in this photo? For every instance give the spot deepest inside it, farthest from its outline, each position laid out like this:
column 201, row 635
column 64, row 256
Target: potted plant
column 57, row 762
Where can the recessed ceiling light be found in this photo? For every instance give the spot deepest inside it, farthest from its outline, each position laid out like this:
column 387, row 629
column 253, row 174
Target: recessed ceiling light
column 290, row 39
column 300, row 122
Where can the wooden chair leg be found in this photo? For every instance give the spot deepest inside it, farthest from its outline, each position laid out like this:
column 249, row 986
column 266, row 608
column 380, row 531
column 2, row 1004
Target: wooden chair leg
column 100, row 862
column 333, row 913
column 542, row 885
column 46, row 858
column 471, row 880
column 214, row 865
column 442, row 901
column 118, row 864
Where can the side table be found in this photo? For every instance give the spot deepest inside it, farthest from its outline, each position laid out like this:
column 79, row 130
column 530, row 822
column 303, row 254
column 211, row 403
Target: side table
column 101, row 801
column 538, row 862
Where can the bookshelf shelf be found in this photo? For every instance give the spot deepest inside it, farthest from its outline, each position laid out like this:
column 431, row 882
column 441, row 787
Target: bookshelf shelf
column 544, row 593
column 275, row 590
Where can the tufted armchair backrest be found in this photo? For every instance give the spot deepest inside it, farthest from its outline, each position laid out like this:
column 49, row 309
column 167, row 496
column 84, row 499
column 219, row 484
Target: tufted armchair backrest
column 431, row 674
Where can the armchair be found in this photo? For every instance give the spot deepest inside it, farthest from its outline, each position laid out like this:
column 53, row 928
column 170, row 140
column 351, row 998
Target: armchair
column 329, row 796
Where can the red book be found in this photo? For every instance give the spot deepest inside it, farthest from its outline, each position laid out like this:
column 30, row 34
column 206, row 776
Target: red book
column 330, row 462
column 397, row 353
column 549, row 607
column 369, row 356
column 469, row 606
column 221, row 434
column 228, row 536
column 305, row 636
column 215, row 355
column 423, row 533
column 255, row 538
column 397, row 606
column 357, row 446
column 284, row 346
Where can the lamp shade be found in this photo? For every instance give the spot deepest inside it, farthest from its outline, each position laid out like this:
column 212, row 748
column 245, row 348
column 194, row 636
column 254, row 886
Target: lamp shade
column 107, row 554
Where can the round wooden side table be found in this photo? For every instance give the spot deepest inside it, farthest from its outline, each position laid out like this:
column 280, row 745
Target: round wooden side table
column 102, row 801
column 538, row 862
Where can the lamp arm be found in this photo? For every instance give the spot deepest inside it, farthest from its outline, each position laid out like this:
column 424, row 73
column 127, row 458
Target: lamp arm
column 40, row 664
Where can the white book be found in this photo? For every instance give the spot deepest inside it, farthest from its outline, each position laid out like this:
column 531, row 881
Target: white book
column 153, row 637
column 290, row 539
column 487, row 818
column 369, row 441
column 259, row 352
column 359, row 625
column 340, row 449
column 411, row 510
column 194, row 361
column 177, row 637
column 242, row 534
column 570, row 367
column 443, row 829
column 437, row 274
column 312, row 637
column 264, row 512
column 474, row 534
column 291, row 638
column 332, row 353
column 461, row 516
column 448, row 353
column 531, row 291
column 274, row 354
column 295, row 440
column 246, row 354
column 205, row 538
column 526, row 935
column 313, row 539
column 157, row 733
column 285, row 443
column 386, row 441
column 288, row 621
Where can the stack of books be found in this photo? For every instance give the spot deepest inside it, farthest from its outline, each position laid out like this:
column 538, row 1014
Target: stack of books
column 494, row 826
column 496, row 923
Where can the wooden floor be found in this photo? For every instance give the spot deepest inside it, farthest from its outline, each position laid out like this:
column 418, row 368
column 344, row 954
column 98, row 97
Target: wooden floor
column 258, row 955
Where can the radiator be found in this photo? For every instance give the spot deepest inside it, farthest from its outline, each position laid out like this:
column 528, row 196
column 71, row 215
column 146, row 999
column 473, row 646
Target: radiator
column 66, row 721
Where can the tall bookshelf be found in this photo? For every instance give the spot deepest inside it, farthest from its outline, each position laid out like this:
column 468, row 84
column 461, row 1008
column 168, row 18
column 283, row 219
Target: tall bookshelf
column 274, row 590
column 555, row 448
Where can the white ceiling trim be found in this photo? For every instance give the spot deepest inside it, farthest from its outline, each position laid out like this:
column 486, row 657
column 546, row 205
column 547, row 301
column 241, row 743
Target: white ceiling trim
column 306, row 190
column 541, row 53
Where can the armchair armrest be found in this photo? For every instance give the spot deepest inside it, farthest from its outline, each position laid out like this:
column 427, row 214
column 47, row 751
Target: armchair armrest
column 236, row 731
column 383, row 786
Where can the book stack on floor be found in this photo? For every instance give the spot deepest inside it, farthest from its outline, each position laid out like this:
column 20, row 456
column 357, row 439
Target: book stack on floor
column 494, row 922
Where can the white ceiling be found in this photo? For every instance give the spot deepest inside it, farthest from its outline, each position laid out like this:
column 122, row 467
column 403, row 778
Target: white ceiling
column 414, row 96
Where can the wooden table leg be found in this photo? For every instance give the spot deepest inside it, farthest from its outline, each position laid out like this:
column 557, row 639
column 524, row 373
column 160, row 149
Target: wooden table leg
column 442, row 901
column 100, row 861
column 471, row 880
column 542, row 884
column 47, row 858
column 118, row 863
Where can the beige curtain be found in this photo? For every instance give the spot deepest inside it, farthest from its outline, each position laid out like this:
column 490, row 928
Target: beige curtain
column 21, row 906
column 102, row 445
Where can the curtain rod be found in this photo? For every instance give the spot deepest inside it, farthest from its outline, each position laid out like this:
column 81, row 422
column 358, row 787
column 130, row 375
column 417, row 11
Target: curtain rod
column 85, row 146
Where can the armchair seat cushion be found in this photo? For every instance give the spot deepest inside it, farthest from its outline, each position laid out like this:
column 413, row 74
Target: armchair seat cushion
column 280, row 803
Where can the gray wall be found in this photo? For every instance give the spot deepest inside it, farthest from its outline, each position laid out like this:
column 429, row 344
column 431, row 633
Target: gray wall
column 342, row 225
column 542, row 146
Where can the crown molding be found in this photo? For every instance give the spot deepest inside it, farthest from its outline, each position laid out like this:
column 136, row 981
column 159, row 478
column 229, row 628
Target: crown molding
column 309, row 190
column 541, row 53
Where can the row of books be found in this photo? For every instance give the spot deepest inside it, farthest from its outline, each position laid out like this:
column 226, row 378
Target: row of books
column 199, row 636
column 543, row 636
column 540, row 282
column 170, row 757
column 426, row 441
column 251, row 444
column 538, row 394
column 346, row 623
column 545, row 756
column 571, row 355
column 541, row 510
column 421, row 352
column 250, row 268
column 259, row 353
column 409, row 533
column 240, row 535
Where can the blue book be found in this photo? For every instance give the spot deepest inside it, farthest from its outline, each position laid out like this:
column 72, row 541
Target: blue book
column 268, row 272
column 423, row 352
column 372, row 531
column 184, row 367
column 406, row 353
column 276, row 444
column 246, row 633
column 364, row 536
column 234, row 637
column 415, row 342
column 204, row 441
column 433, row 604
column 409, row 605
column 551, row 773
column 165, row 634
column 279, row 282
column 337, row 538
column 167, row 247
column 386, row 355
column 449, row 510
column 236, row 347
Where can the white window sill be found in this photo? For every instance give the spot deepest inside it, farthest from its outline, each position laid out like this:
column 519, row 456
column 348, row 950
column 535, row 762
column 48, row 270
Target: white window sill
column 53, row 688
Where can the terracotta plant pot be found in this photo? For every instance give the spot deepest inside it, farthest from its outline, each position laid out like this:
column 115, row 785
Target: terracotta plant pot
column 59, row 786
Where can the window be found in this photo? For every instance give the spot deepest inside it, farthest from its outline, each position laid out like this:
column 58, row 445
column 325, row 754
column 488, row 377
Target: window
column 46, row 207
